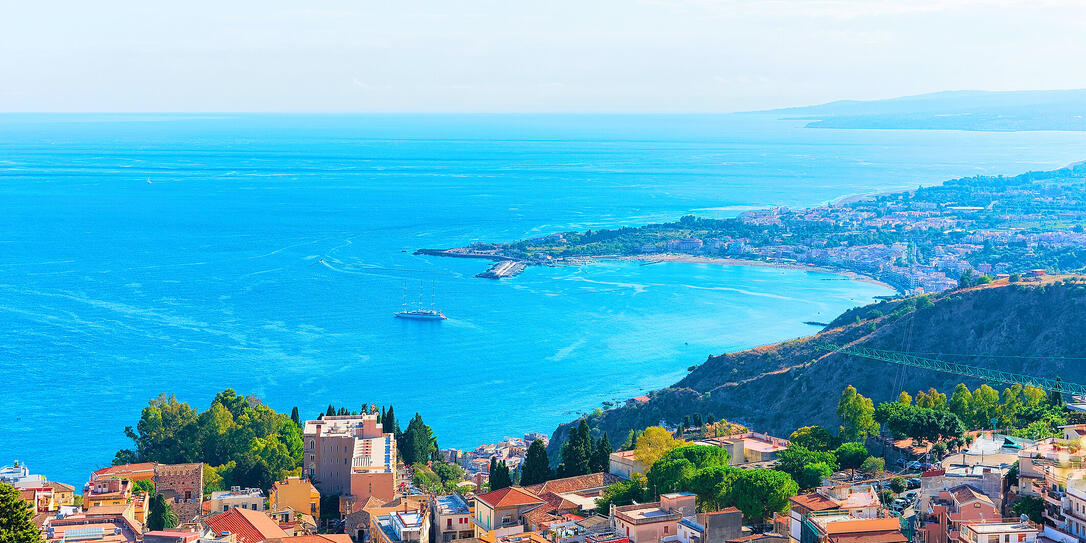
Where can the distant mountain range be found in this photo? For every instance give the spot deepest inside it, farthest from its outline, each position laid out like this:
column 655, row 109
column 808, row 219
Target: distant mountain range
column 952, row 110
column 1032, row 329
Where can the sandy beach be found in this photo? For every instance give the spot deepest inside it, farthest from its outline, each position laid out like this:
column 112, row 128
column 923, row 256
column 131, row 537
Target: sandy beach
column 694, row 259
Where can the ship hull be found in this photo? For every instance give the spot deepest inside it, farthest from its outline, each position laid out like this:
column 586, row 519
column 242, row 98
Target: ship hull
column 412, row 316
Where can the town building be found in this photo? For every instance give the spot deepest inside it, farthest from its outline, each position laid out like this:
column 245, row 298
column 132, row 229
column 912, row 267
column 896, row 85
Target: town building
column 170, row 536
column 840, row 527
column 655, row 521
column 748, row 447
column 711, row 527
column 623, row 464
column 183, row 486
column 857, row 502
column 106, row 492
column 88, row 528
column 1020, row 531
column 350, row 455
column 247, row 498
column 135, row 472
column 62, row 494
column 246, row 526
column 401, row 527
column 569, row 494
column 451, row 518
column 298, row 494
column 942, row 519
column 501, row 512
column 19, row 476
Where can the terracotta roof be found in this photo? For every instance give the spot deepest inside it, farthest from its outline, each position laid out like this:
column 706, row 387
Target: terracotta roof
column 883, row 536
column 248, row 526
column 509, row 496
column 574, row 484
column 124, row 470
column 540, row 518
column 815, row 502
column 558, row 503
column 318, row 538
column 967, row 494
column 863, row 526
column 59, row 487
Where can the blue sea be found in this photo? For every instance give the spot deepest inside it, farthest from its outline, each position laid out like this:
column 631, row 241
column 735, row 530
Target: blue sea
column 184, row 254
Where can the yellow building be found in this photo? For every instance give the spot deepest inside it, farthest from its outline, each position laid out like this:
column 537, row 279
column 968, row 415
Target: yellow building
column 107, row 492
column 298, row 494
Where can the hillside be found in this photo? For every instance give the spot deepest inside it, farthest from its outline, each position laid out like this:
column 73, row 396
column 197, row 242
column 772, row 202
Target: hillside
column 777, row 388
column 953, row 110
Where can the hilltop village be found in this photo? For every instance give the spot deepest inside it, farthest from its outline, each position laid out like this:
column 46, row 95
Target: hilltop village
column 923, row 469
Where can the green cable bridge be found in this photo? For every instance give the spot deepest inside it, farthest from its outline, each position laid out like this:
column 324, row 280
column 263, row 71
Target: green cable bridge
column 905, row 359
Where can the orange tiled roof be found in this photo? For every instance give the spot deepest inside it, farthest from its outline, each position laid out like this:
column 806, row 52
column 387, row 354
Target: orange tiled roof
column 248, row 526
column 319, row 538
column 884, row 536
column 124, row 470
column 815, row 502
column 863, row 526
column 574, row 484
column 509, row 496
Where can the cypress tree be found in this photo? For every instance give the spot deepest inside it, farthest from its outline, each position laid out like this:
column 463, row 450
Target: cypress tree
column 601, row 456
column 576, row 452
column 294, row 416
column 331, row 411
column 536, row 467
column 161, row 515
column 499, row 475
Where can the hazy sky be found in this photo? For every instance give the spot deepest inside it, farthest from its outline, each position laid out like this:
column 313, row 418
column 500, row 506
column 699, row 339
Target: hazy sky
column 548, row 55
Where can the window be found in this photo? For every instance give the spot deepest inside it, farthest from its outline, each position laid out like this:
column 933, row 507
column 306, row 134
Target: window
column 665, row 529
column 449, row 524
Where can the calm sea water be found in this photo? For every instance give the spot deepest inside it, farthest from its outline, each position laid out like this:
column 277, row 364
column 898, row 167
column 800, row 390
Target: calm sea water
column 142, row 254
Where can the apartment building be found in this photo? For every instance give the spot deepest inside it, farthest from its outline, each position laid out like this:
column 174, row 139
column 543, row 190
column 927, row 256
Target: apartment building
column 943, row 518
column 451, row 518
column 245, row 498
column 653, row 522
column 296, row 493
column 858, row 502
column 350, row 455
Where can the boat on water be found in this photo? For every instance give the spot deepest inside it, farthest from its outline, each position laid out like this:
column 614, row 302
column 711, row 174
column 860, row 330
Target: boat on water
column 419, row 313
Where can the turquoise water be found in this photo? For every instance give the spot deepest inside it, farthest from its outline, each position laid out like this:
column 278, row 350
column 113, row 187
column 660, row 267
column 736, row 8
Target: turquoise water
column 142, row 254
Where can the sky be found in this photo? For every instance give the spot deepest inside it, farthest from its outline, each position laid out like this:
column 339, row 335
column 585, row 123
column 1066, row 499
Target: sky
column 520, row 56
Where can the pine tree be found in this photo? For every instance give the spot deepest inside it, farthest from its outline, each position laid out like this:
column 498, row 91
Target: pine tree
column 536, row 468
column 294, row 416
column 1055, row 398
column 16, row 524
column 331, row 411
column 161, row 515
column 697, row 420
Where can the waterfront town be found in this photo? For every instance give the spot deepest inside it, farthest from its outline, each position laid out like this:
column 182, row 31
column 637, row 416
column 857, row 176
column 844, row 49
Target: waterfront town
column 923, row 241
column 698, row 481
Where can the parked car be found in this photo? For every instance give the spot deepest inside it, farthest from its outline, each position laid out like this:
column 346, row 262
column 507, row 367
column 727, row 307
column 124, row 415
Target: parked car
column 928, row 466
column 915, row 465
column 913, row 482
column 901, row 461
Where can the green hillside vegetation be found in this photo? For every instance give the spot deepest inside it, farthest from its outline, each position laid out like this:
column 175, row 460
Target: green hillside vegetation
column 1028, row 329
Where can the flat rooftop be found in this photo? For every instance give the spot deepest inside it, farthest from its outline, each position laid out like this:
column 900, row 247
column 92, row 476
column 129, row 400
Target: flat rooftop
column 451, row 505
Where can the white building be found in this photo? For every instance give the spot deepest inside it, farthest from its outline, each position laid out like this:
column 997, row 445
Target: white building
column 242, row 498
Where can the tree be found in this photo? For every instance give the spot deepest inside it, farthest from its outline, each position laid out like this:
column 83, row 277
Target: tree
column 961, row 403
column 985, row 406
column 795, row 460
column 389, row 424
column 670, row 475
column 499, row 475
column 16, row 518
column 622, row 493
column 330, row 412
column 1055, row 398
column 295, row 417
column 1031, row 507
column 873, row 465
column 713, row 486
column 812, row 475
column 857, row 415
column 576, row 452
column 653, row 444
column 600, row 461
column 536, row 468
column 759, row 493
column 815, row 438
column 417, row 443
column 897, row 484
column 161, row 515
column 851, row 456
column 904, row 398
